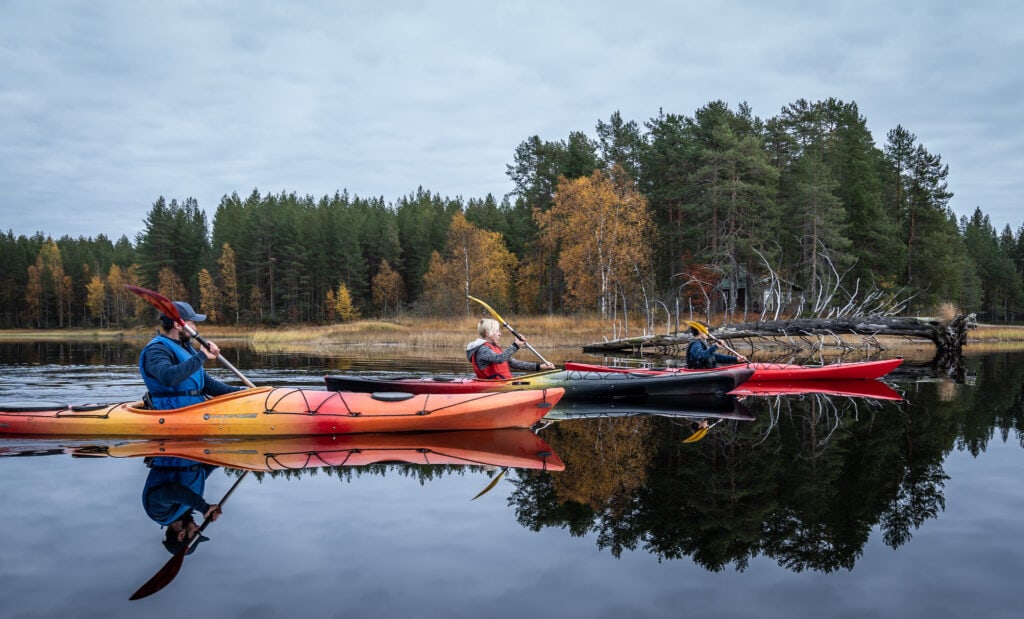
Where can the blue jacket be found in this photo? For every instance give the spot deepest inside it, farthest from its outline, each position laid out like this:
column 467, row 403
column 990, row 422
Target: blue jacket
column 174, row 487
column 701, row 356
column 174, row 374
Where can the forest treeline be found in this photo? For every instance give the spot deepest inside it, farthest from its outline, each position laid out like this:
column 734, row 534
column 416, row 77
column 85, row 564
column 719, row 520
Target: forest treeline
column 717, row 211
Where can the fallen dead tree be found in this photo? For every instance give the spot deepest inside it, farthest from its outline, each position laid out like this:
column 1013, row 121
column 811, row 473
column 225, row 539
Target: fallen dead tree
column 814, row 335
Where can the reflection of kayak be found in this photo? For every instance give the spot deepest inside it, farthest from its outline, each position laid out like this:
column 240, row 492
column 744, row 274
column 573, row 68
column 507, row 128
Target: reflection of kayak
column 577, row 384
column 853, row 388
column 514, row 448
column 267, row 411
column 723, row 407
column 856, row 370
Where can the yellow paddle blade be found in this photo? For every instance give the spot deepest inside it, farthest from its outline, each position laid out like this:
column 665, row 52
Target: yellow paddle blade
column 494, row 482
column 693, row 324
column 696, row 436
column 490, row 309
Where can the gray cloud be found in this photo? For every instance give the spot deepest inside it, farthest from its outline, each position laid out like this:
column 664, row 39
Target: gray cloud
column 107, row 106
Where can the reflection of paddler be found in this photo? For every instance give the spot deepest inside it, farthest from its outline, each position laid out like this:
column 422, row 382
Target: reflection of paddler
column 174, row 489
column 700, row 430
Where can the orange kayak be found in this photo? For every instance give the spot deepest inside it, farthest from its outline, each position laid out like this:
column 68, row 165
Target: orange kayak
column 268, row 411
column 514, row 448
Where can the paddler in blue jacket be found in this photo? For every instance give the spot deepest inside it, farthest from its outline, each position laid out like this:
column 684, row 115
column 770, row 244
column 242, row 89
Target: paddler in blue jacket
column 701, row 355
column 490, row 361
column 173, row 369
column 174, row 489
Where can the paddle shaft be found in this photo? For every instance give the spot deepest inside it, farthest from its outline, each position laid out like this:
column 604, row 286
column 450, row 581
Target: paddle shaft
column 699, row 327
column 220, row 358
column 505, row 324
column 724, row 345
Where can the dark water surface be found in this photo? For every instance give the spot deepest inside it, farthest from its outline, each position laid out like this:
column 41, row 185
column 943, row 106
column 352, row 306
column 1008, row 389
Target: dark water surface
column 819, row 507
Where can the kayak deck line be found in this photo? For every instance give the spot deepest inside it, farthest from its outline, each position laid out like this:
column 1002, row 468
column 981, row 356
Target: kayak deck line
column 518, row 448
column 578, row 384
column 288, row 411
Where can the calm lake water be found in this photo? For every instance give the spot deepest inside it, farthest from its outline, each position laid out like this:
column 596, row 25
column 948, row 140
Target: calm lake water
column 817, row 507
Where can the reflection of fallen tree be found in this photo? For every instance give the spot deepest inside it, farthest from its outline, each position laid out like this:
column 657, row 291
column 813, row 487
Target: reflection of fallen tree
column 815, row 416
column 806, row 483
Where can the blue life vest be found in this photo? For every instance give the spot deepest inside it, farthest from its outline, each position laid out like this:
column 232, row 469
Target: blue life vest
column 186, row 393
column 167, row 470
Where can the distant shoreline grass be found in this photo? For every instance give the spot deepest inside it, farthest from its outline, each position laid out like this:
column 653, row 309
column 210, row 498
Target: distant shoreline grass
column 567, row 333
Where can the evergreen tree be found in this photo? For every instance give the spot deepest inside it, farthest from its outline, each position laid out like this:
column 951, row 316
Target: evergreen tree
column 620, row 144
column 667, row 163
column 423, row 222
column 175, row 236
column 999, row 282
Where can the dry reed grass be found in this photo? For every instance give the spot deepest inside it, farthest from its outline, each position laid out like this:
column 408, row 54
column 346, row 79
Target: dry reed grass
column 557, row 337
column 547, row 331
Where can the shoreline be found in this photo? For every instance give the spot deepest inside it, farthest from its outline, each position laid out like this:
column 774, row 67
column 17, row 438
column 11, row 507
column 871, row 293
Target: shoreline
column 559, row 333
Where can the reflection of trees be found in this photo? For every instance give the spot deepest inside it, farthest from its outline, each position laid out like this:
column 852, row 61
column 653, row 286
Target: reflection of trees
column 804, row 484
column 612, row 461
column 421, row 472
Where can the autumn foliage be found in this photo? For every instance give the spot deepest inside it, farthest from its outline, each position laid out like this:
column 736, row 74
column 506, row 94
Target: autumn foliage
column 475, row 262
column 603, row 227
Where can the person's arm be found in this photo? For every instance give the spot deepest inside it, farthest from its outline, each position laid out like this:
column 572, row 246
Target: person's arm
column 213, row 387
column 162, row 365
column 726, row 359
column 173, row 493
column 485, row 356
column 524, row 366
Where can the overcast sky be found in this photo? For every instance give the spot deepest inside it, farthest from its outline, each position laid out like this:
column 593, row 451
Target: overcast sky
column 107, row 105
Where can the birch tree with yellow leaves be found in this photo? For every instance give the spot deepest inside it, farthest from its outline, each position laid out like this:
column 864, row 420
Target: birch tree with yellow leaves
column 604, row 229
column 475, row 262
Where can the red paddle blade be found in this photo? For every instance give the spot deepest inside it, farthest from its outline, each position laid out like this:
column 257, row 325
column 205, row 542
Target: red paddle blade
column 162, row 578
column 159, row 301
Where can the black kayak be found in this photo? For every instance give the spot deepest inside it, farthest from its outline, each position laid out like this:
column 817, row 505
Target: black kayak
column 577, row 384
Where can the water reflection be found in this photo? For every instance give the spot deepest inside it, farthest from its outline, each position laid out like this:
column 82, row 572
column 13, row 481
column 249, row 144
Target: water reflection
column 173, row 492
column 803, row 480
column 804, row 483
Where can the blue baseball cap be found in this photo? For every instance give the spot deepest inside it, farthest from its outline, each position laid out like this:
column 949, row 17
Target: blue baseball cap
column 186, row 312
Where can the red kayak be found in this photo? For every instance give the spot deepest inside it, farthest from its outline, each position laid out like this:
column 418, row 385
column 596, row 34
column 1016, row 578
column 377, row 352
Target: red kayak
column 765, row 372
column 873, row 389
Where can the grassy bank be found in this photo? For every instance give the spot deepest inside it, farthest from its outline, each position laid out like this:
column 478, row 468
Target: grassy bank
column 564, row 335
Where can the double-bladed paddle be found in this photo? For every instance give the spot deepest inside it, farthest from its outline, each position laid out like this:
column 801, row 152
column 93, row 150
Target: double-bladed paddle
column 169, row 309
column 505, row 324
column 170, row 569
